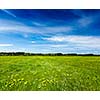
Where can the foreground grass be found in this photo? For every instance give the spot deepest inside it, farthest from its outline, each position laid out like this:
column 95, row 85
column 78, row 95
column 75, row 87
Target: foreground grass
column 57, row 73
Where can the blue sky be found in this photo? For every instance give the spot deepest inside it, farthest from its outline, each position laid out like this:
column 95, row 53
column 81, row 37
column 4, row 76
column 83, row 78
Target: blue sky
column 50, row 31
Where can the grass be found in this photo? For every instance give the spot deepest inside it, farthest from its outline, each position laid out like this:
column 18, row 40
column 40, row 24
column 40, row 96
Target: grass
column 54, row 73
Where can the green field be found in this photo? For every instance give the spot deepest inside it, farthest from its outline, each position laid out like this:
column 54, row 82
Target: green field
column 49, row 73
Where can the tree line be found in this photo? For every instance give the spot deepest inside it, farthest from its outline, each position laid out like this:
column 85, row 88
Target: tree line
column 41, row 54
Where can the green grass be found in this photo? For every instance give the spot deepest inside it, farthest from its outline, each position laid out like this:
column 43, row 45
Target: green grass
column 54, row 73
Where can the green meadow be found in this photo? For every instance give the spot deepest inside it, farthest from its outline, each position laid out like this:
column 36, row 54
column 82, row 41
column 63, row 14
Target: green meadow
column 49, row 73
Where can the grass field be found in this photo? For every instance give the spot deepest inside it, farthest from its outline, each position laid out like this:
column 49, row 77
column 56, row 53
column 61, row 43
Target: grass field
column 54, row 73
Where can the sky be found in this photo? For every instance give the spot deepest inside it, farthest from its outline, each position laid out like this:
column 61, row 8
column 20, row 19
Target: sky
column 50, row 30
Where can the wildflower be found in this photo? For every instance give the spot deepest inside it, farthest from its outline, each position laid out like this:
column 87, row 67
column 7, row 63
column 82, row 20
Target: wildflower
column 12, row 76
column 22, row 79
column 6, row 85
column 14, row 79
column 19, row 79
column 25, row 82
column 39, row 86
column 68, row 74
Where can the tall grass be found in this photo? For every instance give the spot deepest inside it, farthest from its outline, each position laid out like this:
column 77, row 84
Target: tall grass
column 47, row 73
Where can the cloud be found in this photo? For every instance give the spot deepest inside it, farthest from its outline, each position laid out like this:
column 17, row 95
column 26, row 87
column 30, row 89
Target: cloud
column 78, row 12
column 83, row 22
column 38, row 23
column 56, row 38
column 85, row 41
column 59, row 45
column 33, row 42
column 59, row 29
column 6, row 45
column 8, row 12
column 15, row 26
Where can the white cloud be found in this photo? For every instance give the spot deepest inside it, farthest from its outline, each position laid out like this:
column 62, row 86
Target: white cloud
column 8, row 12
column 38, row 23
column 83, row 22
column 58, row 45
column 27, row 29
column 6, row 45
column 74, row 38
column 15, row 26
column 33, row 42
column 59, row 29
column 8, row 22
column 56, row 38
column 78, row 12
column 88, row 41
